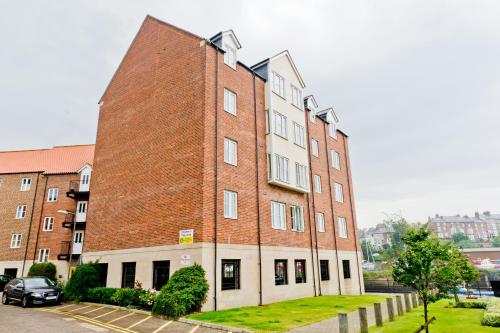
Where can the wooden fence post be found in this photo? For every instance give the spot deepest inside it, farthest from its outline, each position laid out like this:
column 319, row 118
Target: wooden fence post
column 399, row 304
column 407, row 302
column 363, row 320
column 343, row 323
column 390, row 308
column 378, row 314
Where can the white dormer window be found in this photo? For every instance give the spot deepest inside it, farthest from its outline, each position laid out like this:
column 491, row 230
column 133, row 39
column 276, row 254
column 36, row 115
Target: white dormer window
column 278, row 84
column 297, row 97
column 332, row 130
column 230, row 56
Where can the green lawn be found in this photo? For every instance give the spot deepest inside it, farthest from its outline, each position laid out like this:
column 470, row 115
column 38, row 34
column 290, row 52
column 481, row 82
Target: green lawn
column 283, row 316
column 448, row 320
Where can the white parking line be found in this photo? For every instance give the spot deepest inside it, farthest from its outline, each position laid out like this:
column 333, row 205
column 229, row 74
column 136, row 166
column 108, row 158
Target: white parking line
column 194, row 329
column 102, row 307
column 107, row 313
column 139, row 322
column 162, row 326
column 125, row 316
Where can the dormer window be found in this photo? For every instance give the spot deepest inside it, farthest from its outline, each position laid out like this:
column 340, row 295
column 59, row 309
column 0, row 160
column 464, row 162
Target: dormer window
column 230, row 56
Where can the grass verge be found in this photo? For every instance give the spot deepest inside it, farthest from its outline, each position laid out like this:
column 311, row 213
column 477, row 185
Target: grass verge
column 283, row 316
column 448, row 320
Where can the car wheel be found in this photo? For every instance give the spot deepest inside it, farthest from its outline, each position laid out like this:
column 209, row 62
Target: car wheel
column 25, row 302
column 5, row 299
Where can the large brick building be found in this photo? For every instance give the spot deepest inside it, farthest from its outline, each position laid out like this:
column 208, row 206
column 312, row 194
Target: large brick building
column 43, row 204
column 191, row 142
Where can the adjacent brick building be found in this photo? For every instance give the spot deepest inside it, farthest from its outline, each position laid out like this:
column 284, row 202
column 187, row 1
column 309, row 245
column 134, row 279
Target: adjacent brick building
column 193, row 143
column 36, row 186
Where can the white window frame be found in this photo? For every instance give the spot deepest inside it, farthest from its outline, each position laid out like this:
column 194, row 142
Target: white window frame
column 332, row 130
column 230, row 102
column 43, row 255
column 339, row 192
column 315, row 147
column 53, row 194
column 278, row 215
column 335, row 159
column 48, row 223
column 230, row 151
column 299, row 135
column 282, row 172
column 21, row 212
column 320, row 218
column 25, row 184
column 312, row 116
column 230, row 56
column 297, row 97
column 297, row 218
column 342, row 227
column 85, row 179
column 280, row 125
column 301, row 175
column 230, row 204
column 317, row 184
column 15, row 241
column 278, row 85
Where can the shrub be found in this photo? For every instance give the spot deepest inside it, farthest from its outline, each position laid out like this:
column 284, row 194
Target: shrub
column 127, row 296
column 184, row 292
column 101, row 295
column 491, row 315
column 147, row 299
column 86, row 276
column 46, row 269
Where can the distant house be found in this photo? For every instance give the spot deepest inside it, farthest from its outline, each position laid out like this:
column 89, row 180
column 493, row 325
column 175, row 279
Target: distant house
column 480, row 227
column 377, row 236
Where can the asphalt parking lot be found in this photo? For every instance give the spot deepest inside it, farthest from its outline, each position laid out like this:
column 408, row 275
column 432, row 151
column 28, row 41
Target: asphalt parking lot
column 85, row 318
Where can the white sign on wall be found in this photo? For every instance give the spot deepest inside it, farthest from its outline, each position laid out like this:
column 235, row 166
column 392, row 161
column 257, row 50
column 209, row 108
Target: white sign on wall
column 186, row 259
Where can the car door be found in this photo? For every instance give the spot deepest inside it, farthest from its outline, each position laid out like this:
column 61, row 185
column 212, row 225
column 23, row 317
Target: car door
column 17, row 289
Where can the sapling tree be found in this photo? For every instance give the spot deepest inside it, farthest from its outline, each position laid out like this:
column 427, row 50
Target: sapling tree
column 420, row 265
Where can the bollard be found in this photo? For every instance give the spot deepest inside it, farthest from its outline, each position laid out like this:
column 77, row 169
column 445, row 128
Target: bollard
column 363, row 320
column 399, row 304
column 390, row 308
column 407, row 302
column 343, row 323
column 414, row 300
column 379, row 321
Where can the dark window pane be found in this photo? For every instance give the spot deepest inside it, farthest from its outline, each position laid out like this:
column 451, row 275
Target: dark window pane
column 128, row 274
column 347, row 269
column 103, row 274
column 325, row 270
column 280, row 272
column 161, row 273
column 300, row 271
column 230, row 274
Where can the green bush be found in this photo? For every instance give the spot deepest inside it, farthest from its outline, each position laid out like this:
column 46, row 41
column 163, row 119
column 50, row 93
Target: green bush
column 101, row 295
column 127, row 296
column 491, row 316
column 85, row 277
column 46, row 269
column 185, row 292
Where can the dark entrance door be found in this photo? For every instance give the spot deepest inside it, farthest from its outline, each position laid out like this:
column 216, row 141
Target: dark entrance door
column 161, row 273
column 11, row 272
column 103, row 274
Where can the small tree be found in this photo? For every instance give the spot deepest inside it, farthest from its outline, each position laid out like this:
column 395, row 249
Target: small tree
column 459, row 236
column 46, row 269
column 419, row 266
column 86, row 276
column 496, row 241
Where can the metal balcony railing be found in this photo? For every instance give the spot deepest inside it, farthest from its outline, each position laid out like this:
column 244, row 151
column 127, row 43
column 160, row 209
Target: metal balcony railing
column 77, row 189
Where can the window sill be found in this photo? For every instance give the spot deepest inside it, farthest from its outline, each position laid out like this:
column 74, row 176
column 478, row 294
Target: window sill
column 232, row 114
column 297, row 107
column 277, row 94
column 303, row 147
column 281, row 136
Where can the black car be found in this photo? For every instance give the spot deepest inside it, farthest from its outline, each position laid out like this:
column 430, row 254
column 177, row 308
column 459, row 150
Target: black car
column 4, row 279
column 32, row 291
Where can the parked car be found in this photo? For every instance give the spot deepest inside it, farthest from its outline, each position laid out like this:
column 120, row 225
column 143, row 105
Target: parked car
column 29, row 291
column 4, row 279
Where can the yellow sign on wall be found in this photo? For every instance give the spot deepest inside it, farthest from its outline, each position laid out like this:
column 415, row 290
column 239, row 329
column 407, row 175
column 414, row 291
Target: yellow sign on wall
column 186, row 236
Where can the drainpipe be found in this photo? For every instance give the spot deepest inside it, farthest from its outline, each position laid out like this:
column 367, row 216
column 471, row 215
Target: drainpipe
column 352, row 210
column 311, row 246
column 313, row 207
column 31, row 223
column 331, row 206
column 257, row 187
column 216, row 171
column 41, row 217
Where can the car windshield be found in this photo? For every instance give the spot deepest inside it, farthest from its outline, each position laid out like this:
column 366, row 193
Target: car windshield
column 38, row 283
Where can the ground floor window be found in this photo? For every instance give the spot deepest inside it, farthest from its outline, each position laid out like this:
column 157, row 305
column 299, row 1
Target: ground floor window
column 280, row 272
column 347, row 269
column 128, row 274
column 12, row 272
column 325, row 270
column 103, row 274
column 300, row 271
column 161, row 273
column 230, row 274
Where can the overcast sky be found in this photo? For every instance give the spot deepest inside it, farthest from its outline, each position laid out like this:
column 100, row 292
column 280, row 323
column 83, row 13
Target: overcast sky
column 416, row 84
